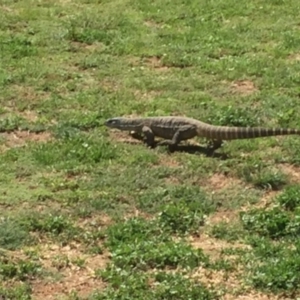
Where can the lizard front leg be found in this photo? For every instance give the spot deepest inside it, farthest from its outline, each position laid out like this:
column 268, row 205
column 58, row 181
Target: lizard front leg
column 149, row 136
column 146, row 135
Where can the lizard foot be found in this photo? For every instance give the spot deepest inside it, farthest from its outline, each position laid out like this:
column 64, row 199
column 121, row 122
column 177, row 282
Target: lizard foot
column 171, row 145
column 136, row 135
column 215, row 144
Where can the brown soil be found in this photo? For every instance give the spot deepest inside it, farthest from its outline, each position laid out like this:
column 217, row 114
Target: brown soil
column 74, row 278
column 20, row 138
column 244, row 87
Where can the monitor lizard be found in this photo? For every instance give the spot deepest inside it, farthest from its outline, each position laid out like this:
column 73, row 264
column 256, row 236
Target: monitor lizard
column 175, row 129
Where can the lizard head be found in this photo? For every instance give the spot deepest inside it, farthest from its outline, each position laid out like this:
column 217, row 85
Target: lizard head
column 118, row 123
column 123, row 123
column 113, row 122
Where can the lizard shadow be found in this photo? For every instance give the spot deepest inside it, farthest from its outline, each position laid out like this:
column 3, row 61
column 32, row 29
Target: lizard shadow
column 191, row 149
column 195, row 149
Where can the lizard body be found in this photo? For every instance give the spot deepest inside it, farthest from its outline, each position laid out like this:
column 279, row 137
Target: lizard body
column 176, row 129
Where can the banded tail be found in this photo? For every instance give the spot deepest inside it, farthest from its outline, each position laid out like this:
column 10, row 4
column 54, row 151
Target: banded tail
column 233, row 133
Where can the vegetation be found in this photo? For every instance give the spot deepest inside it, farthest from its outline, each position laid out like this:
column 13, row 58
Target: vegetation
column 91, row 213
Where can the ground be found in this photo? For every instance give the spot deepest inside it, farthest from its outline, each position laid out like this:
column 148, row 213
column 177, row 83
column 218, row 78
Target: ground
column 92, row 213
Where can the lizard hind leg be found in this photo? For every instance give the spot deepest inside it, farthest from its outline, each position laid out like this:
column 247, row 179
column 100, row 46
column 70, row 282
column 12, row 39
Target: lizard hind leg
column 172, row 144
column 182, row 133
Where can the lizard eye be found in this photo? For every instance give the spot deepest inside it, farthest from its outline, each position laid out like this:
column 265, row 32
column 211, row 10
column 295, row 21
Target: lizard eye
column 111, row 122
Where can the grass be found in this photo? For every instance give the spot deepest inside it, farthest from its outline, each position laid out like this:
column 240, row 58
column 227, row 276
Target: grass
column 90, row 213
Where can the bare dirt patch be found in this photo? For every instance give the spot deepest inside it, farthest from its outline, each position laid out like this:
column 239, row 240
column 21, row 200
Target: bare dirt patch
column 29, row 115
column 230, row 282
column 100, row 221
column 293, row 172
column 228, row 216
column 227, row 281
column 220, row 181
column 146, row 96
column 152, row 24
column 212, row 246
column 243, row 87
column 110, row 85
column 265, row 201
column 96, row 46
column 294, row 57
column 168, row 161
column 220, row 279
column 123, row 137
column 254, row 295
column 28, row 94
column 72, row 275
column 5, row 8
column 227, row 191
column 136, row 213
column 20, row 138
column 250, row 295
column 173, row 180
column 155, row 62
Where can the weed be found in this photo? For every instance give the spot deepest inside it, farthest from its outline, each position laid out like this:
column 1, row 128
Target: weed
column 77, row 121
column 233, row 116
column 120, row 278
column 273, row 180
column 54, row 224
column 20, row 291
column 272, row 223
column 142, row 245
column 11, row 123
column 223, row 264
column 69, row 65
column 155, row 254
column 12, row 234
column 171, row 286
column 225, row 231
column 134, row 229
column 21, row 269
column 182, row 217
column 192, row 197
column 290, row 197
column 275, row 267
column 161, row 285
column 64, row 153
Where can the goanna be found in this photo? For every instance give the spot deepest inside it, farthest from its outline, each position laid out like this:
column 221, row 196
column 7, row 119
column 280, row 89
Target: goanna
column 175, row 129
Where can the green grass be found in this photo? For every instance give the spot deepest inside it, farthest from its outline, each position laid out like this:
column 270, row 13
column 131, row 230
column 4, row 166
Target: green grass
column 132, row 222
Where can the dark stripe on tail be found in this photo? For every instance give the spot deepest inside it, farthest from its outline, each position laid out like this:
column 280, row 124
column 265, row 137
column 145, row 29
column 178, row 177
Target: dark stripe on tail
column 231, row 133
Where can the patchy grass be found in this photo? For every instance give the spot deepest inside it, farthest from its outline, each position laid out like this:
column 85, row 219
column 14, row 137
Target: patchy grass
column 91, row 213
